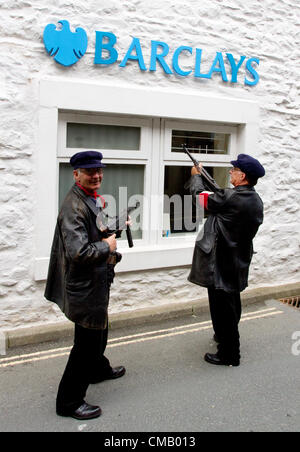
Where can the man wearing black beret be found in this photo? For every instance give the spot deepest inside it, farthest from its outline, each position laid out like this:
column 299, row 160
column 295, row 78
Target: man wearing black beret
column 223, row 249
column 79, row 279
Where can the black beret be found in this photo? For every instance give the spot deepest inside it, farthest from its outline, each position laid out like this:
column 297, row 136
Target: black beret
column 87, row 159
column 249, row 165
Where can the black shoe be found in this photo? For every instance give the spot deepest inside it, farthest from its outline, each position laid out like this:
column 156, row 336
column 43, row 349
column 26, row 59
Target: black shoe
column 115, row 372
column 214, row 359
column 84, row 412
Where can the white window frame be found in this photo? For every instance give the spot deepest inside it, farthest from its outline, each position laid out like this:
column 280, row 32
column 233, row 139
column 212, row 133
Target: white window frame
column 60, row 97
column 180, row 159
column 194, row 126
column 145, row 140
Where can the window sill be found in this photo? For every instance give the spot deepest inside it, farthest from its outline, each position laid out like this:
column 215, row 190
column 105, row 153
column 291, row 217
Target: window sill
column 156, row 256
column 139, row 258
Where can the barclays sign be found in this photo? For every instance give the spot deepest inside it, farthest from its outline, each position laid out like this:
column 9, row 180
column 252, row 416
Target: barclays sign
column 68, row 47
column 65, row 46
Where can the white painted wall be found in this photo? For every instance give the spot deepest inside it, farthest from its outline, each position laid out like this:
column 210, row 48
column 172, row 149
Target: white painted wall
column 267, row 30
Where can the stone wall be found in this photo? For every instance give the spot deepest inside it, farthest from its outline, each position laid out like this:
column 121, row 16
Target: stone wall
column 264, row 29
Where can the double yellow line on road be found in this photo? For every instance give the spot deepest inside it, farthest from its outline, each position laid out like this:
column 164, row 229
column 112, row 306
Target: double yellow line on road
column 133, row 339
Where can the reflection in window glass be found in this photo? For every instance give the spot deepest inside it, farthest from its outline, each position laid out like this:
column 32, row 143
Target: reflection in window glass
column 180, row 215
column 121, row 183
column 100, row 136
column 200, row 142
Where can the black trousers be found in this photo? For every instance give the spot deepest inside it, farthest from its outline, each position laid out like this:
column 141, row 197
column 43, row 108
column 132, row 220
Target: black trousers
column 225, row 310
column 85, row 364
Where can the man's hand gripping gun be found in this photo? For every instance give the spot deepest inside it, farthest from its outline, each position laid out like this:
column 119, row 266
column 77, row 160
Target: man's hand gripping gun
column 212, row 184
column 117, row 224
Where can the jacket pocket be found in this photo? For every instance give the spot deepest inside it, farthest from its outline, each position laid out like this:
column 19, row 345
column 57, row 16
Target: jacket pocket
column 74, row 286
column 78, row 279
column 203, row 265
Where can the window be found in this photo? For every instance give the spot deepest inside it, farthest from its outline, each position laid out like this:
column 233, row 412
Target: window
column 125, row 145
column 180, row 214
column 214, row 146
column 100, row 136
column 200, row 142
column 150, row 129
column 121, row 186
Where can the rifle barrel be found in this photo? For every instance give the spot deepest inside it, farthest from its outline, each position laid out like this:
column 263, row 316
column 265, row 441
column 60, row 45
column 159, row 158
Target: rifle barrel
column 204, row 173
column 129, row 237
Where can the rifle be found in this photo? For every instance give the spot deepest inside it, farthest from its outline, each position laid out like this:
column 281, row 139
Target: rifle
column 211, row 181
column 115, row 225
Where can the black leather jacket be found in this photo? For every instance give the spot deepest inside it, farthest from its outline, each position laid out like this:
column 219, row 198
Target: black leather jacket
column 223, row 249
column 79, row 276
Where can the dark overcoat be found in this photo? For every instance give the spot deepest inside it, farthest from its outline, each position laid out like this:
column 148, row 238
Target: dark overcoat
column 78, row 276
column 223, row 249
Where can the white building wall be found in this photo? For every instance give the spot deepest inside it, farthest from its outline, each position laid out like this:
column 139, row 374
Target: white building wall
column 268, row 30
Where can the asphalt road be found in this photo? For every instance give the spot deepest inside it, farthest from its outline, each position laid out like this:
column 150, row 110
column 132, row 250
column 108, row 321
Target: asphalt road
column 168, row 387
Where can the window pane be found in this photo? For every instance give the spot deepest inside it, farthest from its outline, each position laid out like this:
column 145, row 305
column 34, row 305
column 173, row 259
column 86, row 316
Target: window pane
column 200, row 142
column 98, row 136
column 180, row 214
column 121, row 183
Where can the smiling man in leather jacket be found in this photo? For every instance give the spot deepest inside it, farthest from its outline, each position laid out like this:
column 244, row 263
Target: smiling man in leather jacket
column 223, row 250
column 79, row 278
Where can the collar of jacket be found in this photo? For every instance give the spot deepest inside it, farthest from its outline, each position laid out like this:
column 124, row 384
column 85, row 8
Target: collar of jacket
column 93, row 194
column 244, row 188
column 86, row 199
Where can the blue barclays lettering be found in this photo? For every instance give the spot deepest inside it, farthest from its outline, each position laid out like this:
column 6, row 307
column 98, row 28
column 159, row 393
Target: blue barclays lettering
column 214, row 68
column 252, row 71
column 106, row 41
column 197, row 72
column 175, row 62
column 234, row 67
column 108, row 46
column 68, row 47
column 159, row 56
column 135, row 45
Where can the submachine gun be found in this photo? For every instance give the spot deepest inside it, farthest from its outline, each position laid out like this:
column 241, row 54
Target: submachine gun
column 212, row 184
column 116, row 225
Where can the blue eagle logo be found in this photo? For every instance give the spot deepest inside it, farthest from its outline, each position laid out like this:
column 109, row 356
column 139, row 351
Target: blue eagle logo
column 66, row 46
